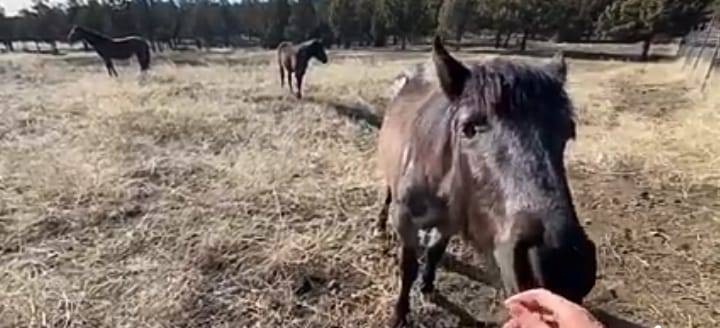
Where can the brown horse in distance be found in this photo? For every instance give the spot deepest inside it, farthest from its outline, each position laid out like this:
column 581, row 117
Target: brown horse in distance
column 294, row 60
column 109, row 48
column 479, row 151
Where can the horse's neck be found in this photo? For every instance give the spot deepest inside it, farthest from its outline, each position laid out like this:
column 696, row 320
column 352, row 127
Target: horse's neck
column 92, row 39
column 303, row 57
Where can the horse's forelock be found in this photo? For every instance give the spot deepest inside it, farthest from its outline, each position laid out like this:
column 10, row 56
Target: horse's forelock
column 501, row 87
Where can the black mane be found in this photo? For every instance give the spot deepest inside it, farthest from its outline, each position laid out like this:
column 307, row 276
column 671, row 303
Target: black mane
column 93, row 34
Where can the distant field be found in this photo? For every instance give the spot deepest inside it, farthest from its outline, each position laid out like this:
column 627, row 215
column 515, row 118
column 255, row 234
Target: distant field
column 204, row 195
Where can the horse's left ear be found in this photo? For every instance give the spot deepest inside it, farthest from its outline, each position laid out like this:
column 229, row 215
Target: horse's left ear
column 558, row 66
column 451, row 73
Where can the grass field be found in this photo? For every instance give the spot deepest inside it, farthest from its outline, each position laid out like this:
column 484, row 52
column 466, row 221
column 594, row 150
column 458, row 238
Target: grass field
column 204, row 195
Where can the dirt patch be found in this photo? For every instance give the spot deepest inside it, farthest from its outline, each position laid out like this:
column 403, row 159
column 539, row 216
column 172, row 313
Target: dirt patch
column 652, row 100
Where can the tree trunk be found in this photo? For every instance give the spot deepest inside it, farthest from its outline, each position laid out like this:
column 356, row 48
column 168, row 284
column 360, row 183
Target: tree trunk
column 395, row 40
column 498, row 39
column 647, row 43
column 458, row 36
column 523, row 42
column 506, row 44
column 403, row 42
column 711, row 67
column 380, row 41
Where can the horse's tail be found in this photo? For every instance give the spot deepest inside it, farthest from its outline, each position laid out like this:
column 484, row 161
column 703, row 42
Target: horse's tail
column 144, row 56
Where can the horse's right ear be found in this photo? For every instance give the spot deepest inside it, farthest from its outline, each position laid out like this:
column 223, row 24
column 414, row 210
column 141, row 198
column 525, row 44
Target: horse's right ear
column 451, row 73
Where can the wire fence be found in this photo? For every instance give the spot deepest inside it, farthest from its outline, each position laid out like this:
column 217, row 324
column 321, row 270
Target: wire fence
column 700, row 52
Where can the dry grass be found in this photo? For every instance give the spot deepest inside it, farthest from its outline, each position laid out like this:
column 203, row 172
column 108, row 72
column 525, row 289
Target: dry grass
column 203, row 195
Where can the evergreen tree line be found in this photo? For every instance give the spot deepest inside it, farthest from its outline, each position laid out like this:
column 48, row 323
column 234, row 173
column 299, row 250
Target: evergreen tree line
column 346, row 23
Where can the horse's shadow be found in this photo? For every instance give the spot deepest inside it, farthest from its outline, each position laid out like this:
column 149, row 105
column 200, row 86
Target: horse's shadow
column 612, row 321
column 358, row 113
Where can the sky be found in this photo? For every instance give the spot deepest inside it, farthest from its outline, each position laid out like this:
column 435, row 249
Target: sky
column 13, row 6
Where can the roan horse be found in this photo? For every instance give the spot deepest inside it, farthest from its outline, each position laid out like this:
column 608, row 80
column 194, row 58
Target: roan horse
column 294, row 60
column 109, row 48
column 482, row 155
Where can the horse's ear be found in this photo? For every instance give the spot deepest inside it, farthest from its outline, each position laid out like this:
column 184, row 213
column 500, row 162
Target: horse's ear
column 451, row 73
column 558, row 66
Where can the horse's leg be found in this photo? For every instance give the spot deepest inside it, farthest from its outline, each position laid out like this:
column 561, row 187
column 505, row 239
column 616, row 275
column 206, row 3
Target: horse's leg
column 299, row 85
column 112, row 66
column 504, row 255
column 384, row 212
column 282, row 76
column 289, row 78
column 408, row 265
column 109, row 67
column 433, row 255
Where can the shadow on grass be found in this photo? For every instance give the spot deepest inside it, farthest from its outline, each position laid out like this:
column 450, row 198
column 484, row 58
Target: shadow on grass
column 612, row 321
column 358, row 113
column 466, row 319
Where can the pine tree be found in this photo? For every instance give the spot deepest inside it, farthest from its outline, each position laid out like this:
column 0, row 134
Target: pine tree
column 279, row 17
column 408, row 18
column 643, row 20
column 344, row 21
column 303, row 20
column 455, row 17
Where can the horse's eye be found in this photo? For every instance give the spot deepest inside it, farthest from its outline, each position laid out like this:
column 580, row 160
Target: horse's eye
column 476, row 126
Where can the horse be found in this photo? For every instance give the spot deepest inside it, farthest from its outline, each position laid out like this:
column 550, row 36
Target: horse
column 294, row 59
column 479, row 151
column 113, row 48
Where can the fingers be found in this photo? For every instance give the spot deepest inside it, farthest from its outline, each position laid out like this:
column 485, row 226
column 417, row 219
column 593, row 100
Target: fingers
column 528, row 320
column 522, row 317
column 538, row 298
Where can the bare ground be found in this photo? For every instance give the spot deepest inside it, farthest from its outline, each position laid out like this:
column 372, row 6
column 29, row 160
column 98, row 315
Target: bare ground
column 203, row 195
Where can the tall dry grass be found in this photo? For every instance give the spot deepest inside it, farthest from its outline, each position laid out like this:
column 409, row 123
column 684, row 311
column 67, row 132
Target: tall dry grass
column 203, row 195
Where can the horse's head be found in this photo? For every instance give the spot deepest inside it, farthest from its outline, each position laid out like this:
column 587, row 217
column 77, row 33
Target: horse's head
column 510, row 125
column 74, row 34
column 318, row 50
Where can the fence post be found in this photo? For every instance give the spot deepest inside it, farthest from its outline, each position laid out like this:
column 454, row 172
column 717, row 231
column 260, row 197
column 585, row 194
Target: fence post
column 711, row 67
column 710, row 29
column 690, row 45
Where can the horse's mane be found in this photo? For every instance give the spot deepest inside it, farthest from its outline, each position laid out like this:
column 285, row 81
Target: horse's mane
column 93, row 33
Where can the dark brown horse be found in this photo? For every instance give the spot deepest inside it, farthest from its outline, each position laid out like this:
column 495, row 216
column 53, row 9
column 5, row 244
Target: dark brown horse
column 109, row 48
column 479, row 151
column 294, row 60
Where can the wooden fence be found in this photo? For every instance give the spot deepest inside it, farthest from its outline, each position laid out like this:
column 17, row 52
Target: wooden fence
column 700, row 51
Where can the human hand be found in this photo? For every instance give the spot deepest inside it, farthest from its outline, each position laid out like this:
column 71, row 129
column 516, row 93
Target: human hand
column 539, row 308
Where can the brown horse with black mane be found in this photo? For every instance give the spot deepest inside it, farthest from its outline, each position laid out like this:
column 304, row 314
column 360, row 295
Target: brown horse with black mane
column 479, row 151
column 109, row 48
column 294, row 60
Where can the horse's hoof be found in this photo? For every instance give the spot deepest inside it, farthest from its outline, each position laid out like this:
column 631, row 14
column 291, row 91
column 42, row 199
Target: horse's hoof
column 427, row 288
column 380, row 233
column 398, row 322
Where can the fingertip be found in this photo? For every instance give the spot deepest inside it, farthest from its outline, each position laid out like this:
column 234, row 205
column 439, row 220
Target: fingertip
column 524, row 296
column 516, row 309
